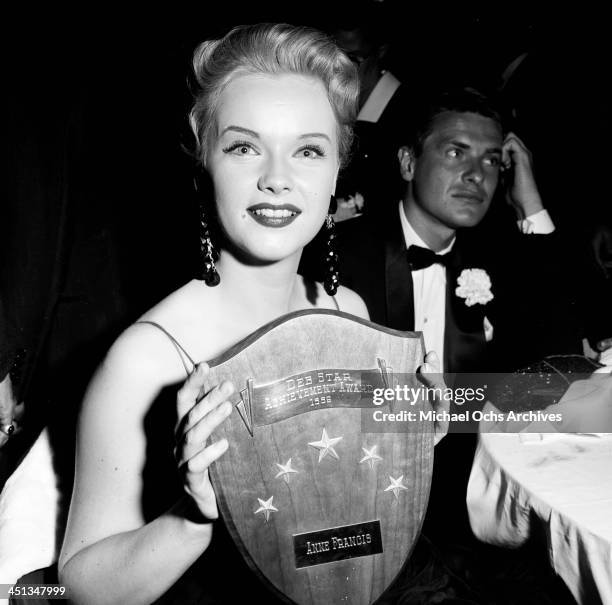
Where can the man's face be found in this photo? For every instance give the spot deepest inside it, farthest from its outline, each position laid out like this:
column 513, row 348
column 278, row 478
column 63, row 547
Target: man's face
column 364, row 54
column 455, row 176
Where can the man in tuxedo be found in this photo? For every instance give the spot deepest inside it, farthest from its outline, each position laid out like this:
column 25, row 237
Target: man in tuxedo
column 406, row 265
column 364, row 35
column 409, row 266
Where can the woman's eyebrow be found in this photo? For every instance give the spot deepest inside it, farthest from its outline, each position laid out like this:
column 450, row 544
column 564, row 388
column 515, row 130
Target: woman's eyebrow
column 310, row 135
column 241, row 130
column 255, row 135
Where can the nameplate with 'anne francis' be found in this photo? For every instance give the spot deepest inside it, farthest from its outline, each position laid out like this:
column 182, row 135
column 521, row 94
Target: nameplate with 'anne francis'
column 337, row 543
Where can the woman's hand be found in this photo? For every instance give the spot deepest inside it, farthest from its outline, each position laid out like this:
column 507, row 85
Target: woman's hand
column 431, row 375
column 198, row 417
column 10, row 412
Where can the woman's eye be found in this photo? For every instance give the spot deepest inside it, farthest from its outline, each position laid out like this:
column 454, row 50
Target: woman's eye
column 453, row 153
column 240, row 148
column 311, row 152
column 493, row 161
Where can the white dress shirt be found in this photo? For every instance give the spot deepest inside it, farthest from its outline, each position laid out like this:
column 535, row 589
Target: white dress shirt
column 429, row 284
column 379, row 98
column 429, row 287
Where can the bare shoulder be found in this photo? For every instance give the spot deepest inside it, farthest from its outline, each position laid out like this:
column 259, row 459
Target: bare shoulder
column 145, row 353
column 346, row 300
column 350, row 302
column 144, row 359
column 138, row 367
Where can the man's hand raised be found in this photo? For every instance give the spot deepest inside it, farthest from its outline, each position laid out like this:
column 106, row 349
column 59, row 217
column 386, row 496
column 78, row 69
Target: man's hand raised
column 521, row 189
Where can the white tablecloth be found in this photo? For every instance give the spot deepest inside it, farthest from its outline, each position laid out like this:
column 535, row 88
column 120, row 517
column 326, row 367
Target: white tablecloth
column 562, row 481
column 29, row 507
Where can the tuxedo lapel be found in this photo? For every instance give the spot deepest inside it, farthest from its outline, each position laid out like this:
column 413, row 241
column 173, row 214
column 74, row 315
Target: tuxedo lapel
column 398, row 281
column 464, row 337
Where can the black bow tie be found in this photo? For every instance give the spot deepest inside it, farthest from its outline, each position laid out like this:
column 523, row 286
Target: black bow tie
column 421, row 258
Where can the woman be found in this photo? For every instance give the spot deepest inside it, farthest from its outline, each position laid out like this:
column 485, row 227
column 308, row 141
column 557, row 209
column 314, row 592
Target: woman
column 273, row 125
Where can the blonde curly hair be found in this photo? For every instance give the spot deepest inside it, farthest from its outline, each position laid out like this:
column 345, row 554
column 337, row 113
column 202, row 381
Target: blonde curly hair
column 272, row 48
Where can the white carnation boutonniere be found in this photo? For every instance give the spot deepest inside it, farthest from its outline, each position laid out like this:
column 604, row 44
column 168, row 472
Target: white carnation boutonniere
column 475, row 286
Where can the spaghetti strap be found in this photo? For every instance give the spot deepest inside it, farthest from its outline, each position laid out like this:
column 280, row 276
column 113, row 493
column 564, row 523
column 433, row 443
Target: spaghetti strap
column 177, row 345
column 336, row 303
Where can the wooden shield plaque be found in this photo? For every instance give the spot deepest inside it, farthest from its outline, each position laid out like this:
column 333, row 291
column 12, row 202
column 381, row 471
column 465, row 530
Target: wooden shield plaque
column 323, row 511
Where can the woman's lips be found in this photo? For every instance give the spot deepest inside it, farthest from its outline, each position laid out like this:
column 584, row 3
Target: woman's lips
column 271, row 215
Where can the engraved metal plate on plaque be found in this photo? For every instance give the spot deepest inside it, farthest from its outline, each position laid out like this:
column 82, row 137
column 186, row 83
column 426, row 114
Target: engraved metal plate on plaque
column 337, row 543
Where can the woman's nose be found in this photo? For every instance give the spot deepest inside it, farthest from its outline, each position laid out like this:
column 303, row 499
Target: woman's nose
column 276, row 177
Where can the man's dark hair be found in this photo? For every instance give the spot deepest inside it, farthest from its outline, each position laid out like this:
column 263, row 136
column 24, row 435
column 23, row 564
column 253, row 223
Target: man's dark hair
column 462, row 100
column 369, row 18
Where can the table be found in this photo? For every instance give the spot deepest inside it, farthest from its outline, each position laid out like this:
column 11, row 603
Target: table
column 30, row 506
column 561, row 481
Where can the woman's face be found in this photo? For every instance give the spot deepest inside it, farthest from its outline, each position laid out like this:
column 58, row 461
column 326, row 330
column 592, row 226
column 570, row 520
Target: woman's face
column 273, row 163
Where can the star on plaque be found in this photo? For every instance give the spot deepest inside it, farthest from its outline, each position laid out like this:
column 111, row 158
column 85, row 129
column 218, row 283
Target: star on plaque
column 285, row 470
column 326, row 446
column 266, row 507
column 396, row 485
column 370, row 456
